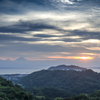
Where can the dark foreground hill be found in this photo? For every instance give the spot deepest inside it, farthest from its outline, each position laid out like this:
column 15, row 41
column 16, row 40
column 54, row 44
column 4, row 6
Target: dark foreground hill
column 9, row 91
column 93, row 96
column 73, row 82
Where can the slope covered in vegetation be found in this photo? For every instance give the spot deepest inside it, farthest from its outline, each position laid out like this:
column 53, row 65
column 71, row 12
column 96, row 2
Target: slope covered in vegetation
column 9, row 91
column 93, row 96
column 73, row 82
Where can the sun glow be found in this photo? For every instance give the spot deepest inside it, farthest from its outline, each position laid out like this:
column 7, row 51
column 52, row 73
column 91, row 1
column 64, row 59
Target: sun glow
column 84, row 58
column 71, row 57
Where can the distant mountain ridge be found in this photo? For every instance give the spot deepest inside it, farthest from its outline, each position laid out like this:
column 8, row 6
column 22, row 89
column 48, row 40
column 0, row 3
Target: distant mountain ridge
column 20, row 63
column 21, row 59
column 67, row 67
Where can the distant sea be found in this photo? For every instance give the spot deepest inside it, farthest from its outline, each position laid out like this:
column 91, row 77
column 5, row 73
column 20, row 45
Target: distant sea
column 28, row 71
column 97, row 69
column 17, row 71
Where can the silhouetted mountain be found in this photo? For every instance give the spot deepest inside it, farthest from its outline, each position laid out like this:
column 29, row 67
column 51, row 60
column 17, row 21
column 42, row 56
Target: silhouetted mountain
column 8, row 59
column 18, row 63
column 67, row 67
column 21, row 59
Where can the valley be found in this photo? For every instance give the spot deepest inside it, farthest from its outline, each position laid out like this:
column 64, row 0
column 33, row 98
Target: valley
column 62, row 81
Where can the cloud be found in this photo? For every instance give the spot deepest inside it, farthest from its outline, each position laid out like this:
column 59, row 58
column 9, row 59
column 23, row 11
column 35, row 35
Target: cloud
column 32, row 25
column 23, row 27
column 17, row 6
column 44, row 35
column 12, row 38
column 85, row 34
column 71, row 40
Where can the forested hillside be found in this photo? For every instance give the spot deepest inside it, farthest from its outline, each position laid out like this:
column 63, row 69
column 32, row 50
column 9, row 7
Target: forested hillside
column 9, row 91
column 58, row 94
column 53, row 85
column 93, row 96
column 70, row 82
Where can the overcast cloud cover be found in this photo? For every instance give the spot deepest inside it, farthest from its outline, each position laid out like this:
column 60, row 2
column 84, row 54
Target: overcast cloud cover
column 51, row 31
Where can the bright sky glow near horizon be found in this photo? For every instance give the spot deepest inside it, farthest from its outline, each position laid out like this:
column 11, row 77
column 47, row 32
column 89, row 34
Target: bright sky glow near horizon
column 51, row 31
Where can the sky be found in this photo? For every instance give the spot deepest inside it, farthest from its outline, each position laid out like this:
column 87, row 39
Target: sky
column 51, row 32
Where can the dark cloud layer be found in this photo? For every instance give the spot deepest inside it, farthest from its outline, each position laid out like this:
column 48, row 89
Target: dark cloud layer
column 85, row 34
column 71, row 40
column 15, row 38
column 35, row 26
column 16, row 6
column 23, row 27
column 44, row 35
column 35, row 48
